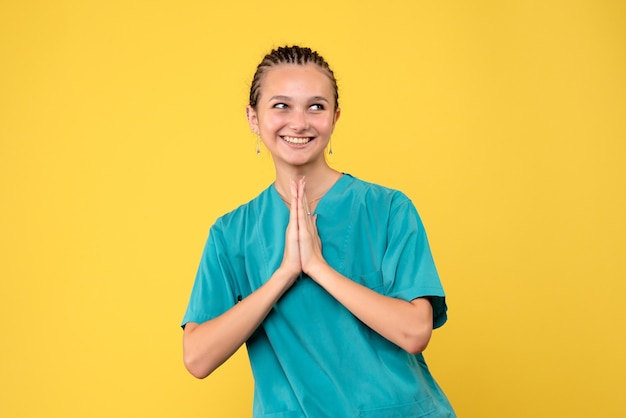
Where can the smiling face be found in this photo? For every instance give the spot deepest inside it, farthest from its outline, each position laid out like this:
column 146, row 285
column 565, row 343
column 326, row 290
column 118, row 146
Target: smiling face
column 295, row 113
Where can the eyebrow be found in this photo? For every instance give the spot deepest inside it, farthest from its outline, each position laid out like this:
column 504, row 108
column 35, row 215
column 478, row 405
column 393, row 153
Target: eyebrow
column 319, row 99
column 287, row 98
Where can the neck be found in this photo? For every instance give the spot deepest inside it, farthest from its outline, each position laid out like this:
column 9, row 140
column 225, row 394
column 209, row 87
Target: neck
column 318, row 179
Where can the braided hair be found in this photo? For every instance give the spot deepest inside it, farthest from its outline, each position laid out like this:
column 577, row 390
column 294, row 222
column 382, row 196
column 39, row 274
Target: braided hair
column 290, row 55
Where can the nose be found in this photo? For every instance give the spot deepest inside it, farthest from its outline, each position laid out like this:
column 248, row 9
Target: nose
column 298, row 121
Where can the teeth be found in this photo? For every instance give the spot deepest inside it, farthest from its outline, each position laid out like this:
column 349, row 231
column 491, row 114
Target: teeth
column 296, row 140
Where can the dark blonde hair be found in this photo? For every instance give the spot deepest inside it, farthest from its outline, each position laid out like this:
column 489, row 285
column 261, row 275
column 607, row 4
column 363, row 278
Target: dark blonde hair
column 290, row 55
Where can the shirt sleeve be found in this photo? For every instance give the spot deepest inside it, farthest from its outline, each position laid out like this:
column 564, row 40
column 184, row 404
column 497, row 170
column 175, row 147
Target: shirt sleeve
column 213, row 292
column 409, row 270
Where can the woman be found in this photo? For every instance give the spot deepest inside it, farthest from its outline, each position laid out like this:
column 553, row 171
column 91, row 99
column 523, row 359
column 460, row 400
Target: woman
column 329, row 280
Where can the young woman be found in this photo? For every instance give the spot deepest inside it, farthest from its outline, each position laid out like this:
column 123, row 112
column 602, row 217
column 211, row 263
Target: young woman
column 329, row 280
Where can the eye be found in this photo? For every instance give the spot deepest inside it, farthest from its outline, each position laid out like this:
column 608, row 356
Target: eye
column 279, row 106
column 317, row 106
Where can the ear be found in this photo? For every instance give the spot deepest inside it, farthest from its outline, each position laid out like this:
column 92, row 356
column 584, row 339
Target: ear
column 253, row 119
column 336, row 118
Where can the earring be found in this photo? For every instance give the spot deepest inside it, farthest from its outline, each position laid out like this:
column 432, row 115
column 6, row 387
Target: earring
column 258, row 144
column 330, row 146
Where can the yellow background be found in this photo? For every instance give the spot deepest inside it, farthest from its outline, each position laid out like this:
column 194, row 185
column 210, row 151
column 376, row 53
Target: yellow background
column 123, row 137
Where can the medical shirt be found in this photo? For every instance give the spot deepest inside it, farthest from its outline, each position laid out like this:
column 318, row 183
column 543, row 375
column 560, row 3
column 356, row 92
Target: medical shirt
column 311, row 357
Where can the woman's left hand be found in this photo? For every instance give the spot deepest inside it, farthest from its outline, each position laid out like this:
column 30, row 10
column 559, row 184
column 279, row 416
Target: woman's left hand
column 308, row 237
column 407, row 324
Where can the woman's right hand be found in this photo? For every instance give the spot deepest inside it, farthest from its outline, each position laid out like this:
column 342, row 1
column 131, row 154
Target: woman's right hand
column 206, row 346
column 291, row 257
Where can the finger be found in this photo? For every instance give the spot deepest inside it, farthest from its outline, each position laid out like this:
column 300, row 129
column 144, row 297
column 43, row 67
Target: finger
column 302, row 208
column 305, row 201
column 291, row 257
column 293, row 209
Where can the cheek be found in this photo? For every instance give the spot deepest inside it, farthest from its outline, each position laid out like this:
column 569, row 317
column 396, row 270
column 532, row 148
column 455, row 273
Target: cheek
column 272, row 121
column 326, row 125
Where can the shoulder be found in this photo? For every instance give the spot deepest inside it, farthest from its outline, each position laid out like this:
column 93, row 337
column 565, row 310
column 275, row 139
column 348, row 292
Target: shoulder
column 238, row 217
column 376, row 194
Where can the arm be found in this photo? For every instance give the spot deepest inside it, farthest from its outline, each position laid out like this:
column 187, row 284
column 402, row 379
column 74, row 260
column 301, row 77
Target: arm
column 407, row 324
column 206, row 346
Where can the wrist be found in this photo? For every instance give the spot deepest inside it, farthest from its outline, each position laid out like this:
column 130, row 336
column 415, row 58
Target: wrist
column 317, row 270
column 287, row 273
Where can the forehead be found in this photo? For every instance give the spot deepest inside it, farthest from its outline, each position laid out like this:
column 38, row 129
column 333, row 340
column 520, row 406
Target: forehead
column 295, row 78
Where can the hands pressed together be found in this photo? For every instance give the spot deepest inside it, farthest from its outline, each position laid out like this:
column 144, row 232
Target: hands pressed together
column 303, row 246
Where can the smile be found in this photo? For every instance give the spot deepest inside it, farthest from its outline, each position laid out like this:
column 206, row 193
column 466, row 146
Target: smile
column 296, row 140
